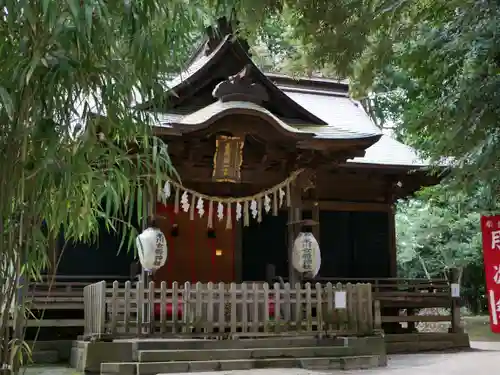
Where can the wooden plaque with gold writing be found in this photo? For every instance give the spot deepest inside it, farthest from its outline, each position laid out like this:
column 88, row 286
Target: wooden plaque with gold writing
column 228, row 159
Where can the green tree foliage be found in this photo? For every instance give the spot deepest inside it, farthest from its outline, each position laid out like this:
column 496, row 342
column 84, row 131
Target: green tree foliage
column 74, row 65
column 438, row 230
column 430, row 66
column 443, row 82
column 431, row 69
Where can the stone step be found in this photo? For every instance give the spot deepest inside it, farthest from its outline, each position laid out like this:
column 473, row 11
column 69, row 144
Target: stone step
column 197, row 344
column 45, row 357
column 425, row 336
column 325, row 363
column 418, row 346
column 253, row 353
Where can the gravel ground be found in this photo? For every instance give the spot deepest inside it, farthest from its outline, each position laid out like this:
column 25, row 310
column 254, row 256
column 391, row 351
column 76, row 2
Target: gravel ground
column 481, row 361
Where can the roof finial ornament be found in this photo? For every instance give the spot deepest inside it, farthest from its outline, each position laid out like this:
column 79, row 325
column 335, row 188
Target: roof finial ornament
column 240, row 87
column 224, row 27
column 217, row 34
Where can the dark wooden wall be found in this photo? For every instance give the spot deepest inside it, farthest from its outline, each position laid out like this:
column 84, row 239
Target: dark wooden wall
column 354, row 244
column 102, row 257
column 264, row 243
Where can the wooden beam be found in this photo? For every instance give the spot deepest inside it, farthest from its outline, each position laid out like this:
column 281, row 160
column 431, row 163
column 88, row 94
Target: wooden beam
column 315, row 217
column 294, row 214
column 416, row 319
column 53, row 323
column 347, row 206
column 315, row 211
column 257, row 176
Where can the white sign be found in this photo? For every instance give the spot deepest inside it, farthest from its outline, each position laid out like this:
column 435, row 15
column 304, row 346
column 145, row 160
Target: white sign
column 152, row 247
column 340, row 299
column 455, row 290
column 306, row 256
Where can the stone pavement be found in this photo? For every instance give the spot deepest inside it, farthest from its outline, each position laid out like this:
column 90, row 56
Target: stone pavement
column 484, row 360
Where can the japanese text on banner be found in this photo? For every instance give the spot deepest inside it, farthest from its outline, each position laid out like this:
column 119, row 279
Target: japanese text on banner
column 490, row 228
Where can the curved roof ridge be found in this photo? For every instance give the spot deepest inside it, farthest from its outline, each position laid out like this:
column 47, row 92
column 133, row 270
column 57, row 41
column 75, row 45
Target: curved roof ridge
column 207, row 115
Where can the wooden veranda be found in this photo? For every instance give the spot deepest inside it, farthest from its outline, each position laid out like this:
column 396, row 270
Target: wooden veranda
column 401, row 302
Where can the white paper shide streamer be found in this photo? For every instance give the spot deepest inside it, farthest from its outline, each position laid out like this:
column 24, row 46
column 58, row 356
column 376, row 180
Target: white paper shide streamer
column 185, row 202
column 152, row 248
column 306, row 256
column 188, row 200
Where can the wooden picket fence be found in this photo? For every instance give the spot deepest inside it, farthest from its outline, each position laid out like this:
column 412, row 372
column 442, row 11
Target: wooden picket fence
column 245, row 309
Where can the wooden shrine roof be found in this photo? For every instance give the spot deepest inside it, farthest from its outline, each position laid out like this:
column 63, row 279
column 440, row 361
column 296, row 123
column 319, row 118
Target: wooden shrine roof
column 321, row 95
column 318, row 109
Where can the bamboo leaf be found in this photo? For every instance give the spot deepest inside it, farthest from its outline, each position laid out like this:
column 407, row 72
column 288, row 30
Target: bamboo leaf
column 7, row 102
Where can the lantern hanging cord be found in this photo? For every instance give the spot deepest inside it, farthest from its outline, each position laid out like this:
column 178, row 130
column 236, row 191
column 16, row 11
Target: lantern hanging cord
column 293, row 176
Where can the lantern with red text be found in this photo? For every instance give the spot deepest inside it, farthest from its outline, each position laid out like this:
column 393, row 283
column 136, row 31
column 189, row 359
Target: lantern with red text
column 228, row 159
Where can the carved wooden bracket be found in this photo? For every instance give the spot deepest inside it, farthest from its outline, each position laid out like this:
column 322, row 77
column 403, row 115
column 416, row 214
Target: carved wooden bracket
column 307, row 180
column 240, row 87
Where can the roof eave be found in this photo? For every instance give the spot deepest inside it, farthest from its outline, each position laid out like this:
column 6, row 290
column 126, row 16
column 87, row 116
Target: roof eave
column 214, row 59
column 184, row 128
column 314, row 83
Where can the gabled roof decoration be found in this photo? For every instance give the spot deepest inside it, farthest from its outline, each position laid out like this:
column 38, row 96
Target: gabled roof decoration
column 230, row 56
column 240, row 87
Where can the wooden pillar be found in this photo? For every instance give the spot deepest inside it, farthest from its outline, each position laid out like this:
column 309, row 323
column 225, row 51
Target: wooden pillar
column 294, row 215
column 456, row 325
column 389, row 198
column 270, row 273
column 392, row 242
column 238, row 250
column 149, row 206
column 315, row 214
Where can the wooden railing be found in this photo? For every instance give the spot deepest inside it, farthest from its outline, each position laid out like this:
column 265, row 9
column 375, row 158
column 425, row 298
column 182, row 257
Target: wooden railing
column 53, row 296
column 247, row 309
column 412, row 301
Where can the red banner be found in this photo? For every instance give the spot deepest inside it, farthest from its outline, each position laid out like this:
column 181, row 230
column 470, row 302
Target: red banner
column 490, row 228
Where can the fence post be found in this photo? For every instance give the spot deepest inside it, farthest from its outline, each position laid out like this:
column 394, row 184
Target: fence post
column 456, row 326
column 377, row 316
column 101, row 286
column 94, row 307
column 86, row 310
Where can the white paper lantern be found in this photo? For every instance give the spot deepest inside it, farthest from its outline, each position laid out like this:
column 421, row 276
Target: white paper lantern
column 306, row 256
column 152, row 248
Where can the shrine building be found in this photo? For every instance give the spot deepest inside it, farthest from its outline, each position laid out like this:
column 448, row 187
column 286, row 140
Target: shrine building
column 260, row 157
